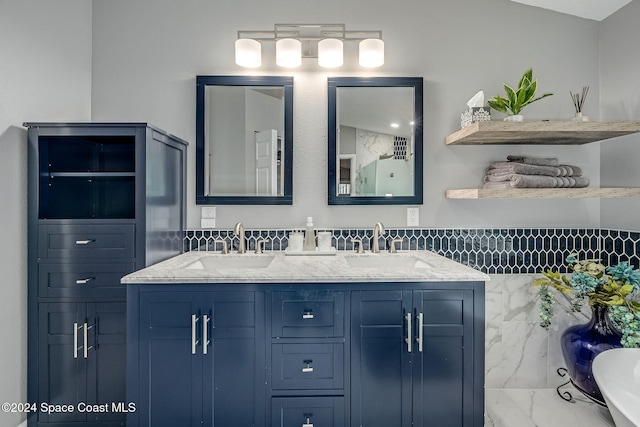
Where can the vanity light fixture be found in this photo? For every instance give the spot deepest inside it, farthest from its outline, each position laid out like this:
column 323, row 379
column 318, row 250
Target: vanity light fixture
column 321, row 41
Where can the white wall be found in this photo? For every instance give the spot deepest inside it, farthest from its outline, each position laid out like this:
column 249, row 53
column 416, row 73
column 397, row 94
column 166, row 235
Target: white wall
column 620, row 100
column 146, row 71
column 45, row 75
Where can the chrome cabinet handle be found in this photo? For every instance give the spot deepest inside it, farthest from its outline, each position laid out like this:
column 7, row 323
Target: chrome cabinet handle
column 408, row 339
column 84, row 281
column 85, row 337
column 205, row 334
column 194, row 338
column 308, row 423
column 84, row 242
column 307, row 314
column 420, row 333
column 75, row 340
column 86, row 346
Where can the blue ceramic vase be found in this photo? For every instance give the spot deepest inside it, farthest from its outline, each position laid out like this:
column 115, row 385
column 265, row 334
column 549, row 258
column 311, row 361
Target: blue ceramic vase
column 582, row 343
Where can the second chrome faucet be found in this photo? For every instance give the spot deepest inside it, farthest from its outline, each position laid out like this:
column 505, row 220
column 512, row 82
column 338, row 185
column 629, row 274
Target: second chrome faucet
column 378, row 230
column 238, row 230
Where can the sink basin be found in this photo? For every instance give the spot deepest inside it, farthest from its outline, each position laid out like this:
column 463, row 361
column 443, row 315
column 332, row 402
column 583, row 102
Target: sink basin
column 385, row 262
column 218, row 262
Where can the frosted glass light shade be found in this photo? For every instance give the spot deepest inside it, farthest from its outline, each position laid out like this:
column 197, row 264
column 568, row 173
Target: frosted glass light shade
column 248, row 53
column 330, row 53
column 371, row 53
column 288, row 53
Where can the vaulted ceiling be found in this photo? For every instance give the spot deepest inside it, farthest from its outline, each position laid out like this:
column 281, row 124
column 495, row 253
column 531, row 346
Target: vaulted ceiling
column 589, row 9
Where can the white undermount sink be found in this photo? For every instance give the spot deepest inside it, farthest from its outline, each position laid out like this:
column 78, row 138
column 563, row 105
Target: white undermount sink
column 218, row 262
column 384, row 261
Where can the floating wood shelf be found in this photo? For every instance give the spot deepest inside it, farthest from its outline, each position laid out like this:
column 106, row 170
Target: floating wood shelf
column 542, row 193
column 540, row 132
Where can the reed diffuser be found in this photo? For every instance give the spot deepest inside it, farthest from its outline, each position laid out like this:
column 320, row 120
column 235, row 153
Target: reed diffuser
column 578, row 103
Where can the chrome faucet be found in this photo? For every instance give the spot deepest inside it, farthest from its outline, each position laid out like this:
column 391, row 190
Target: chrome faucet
column 238, row 230
column 378, row 229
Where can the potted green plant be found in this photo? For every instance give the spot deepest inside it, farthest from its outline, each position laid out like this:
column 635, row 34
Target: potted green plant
column 517, row 99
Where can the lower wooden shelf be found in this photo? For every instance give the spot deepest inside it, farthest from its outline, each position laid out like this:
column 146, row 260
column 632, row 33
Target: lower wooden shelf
column 542, row 193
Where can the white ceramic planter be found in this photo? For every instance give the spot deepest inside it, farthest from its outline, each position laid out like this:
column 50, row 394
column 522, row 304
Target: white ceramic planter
column 516, row 118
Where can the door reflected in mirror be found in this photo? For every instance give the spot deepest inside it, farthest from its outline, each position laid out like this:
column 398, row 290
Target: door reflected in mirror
column 375, row 140
column 244, row 140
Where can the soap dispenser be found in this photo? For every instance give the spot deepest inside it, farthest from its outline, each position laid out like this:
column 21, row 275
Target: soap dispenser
column 309, row 236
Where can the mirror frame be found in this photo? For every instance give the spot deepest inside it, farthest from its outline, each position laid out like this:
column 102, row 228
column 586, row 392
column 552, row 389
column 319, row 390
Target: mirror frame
column 416, row 83
column 201, row 84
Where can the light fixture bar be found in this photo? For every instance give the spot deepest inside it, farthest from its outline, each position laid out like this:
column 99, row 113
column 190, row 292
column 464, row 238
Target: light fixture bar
column 310, row 35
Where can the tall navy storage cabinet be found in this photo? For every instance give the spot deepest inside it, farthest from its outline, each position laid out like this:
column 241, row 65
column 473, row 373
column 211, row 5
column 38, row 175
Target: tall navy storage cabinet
column 105, row 199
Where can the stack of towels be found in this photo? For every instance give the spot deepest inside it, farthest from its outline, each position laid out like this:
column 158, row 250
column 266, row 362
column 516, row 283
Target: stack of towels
column 533, row 172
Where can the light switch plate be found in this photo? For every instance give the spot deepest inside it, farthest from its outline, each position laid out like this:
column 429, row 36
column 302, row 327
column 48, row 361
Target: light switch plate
column 208, row 212
column 413, row 217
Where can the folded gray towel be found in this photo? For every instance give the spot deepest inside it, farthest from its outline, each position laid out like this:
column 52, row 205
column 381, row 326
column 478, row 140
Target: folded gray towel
column 570, row 170
column 540, row 161
column 500, row 168
column 533, row 181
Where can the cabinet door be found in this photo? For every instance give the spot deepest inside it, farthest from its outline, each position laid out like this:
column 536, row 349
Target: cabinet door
column 380, row 357
column 106, row 373
column 443, row 363
column 233, row 353
column 170, row 365
column 61, row 374
column 82, row 352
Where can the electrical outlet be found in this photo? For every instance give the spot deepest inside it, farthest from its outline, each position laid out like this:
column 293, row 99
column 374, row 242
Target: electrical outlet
column 208, row 212
column 413, row 217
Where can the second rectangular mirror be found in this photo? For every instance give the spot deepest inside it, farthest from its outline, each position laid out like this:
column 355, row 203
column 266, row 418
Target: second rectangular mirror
column 375, row 140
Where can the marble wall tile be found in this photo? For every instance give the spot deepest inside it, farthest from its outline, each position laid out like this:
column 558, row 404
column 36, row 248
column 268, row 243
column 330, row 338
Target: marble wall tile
column 493, row 333
column 525, row 348
column 520, row 298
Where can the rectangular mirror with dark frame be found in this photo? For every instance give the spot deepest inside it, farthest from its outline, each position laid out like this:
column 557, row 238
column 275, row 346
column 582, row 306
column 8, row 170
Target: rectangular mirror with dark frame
column 244, row 140
column 375, row 140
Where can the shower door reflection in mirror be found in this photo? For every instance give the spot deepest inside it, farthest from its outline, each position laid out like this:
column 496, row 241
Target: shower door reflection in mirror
column 375, row 140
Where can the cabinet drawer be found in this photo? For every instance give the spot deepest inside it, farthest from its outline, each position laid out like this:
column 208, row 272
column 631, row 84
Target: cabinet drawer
column 78, row 280
column 103, row 242
column 307, row 411
column 307, row 366
column 307, row 314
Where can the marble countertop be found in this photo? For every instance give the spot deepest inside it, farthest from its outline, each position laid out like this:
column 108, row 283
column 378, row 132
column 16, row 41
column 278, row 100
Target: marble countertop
column 277, row 267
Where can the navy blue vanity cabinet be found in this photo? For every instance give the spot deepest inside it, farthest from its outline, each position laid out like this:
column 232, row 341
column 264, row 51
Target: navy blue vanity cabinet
column 417, row 357
column 200, row 357
column 105, row 199
column 306, row 354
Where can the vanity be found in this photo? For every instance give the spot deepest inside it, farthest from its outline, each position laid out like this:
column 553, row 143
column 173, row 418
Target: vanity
column 270, row 339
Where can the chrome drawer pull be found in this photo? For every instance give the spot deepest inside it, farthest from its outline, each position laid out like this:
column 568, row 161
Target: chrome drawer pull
column 84, row 242
column 84, row 281
column 307, row 368
column 308, row 423
column 308, row 314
